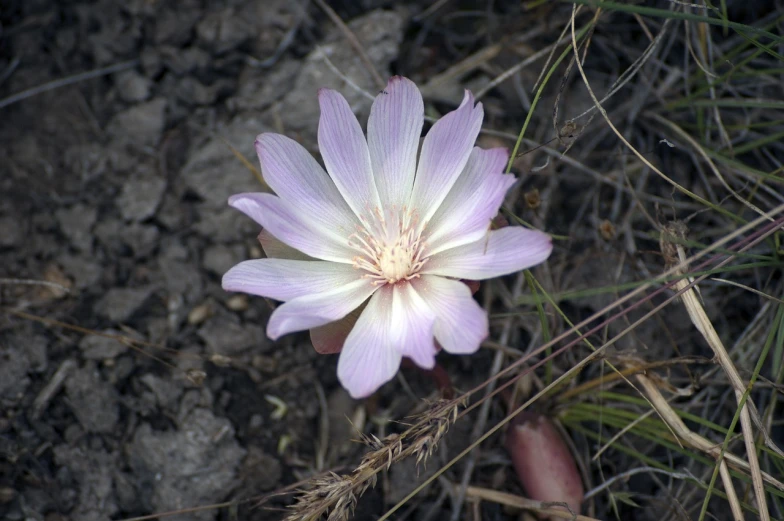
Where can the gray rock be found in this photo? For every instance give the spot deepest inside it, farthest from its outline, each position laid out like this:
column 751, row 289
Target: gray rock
column 183, row 61
column 118, row 304
column 193, row 92
column 214, row 173
column 224, row 30
column 14, row 366
column 132, row 86
column 219, row 258
column 194, row 465
column 36, row 347
column 259, row 88
column 173, row 26
column 141, row 124
column 263, row 471
column 92, row 400
column 93, row 471
column 405, row 476
column 172, row 214
column 380, row 33
column 89, row 160
column 141, row 238
column 109, row 232
column 96, row 347
column 83, row 271
column 10, row 232
column 181, row 278
column 151, row 61
column 272, row 20
column 225, row 224
column 167, row 392
column 140, row 197
column 224, row 335
column 76, row 223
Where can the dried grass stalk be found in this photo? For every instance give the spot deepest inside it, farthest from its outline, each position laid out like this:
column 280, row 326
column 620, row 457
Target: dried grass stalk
column 673, row 236
column 335, row 496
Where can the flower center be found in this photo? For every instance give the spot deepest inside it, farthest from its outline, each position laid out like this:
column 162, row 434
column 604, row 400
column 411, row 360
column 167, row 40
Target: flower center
column 389, row 245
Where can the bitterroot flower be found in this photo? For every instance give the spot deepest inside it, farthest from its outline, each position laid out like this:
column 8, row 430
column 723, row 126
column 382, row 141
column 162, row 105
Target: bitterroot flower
column 384, row 230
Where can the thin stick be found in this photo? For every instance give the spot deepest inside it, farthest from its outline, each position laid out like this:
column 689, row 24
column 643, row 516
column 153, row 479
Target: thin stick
column 705, row 327
column 34, row 282
column 352, row 39
column 69, row 80
column 676, row 424
column 541, row 507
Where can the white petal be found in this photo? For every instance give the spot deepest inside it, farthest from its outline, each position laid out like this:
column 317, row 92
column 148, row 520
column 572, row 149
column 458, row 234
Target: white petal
column 317, row 309
column 286, row 224
column 445, row 152
column 501, row 252
column 368, row 359
column 461, row 323
column 412, row 323
column 474, row 200
column 300, row 181
column 282, row 279
column 345, row 152
column 394, row 127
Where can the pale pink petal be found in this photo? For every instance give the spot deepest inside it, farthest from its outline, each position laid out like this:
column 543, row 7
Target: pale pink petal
column 461, row 323
column 394, row 127
column 277, row 249
column 445, row 152
column 282, row 279
column 412, row 323
column 300, row 181
column 501, row 252
column 284, row 222
column 368, row 359
column 317, row 309
column 345, row 152
column 474, row 200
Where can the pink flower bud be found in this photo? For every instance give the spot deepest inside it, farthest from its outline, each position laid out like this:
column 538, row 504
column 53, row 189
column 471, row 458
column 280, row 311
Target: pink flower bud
column 543, row 462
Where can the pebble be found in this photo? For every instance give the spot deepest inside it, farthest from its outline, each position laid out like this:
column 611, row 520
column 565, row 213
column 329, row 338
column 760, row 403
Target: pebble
column 223, row 30
column 92, row 400
column 218, row 258
column 237, row 302
column 119, row 304
column 132, row 86
column 200, row 313
column 10, row 232
column 140, row 197
column 141, row 124
column 76, row 223
column 97, row 347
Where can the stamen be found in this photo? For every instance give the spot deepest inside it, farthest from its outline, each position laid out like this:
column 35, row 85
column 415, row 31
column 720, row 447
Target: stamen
column 389, row 245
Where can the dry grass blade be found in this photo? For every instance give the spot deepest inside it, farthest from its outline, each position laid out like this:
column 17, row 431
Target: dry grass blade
column 674, row 422
column 510, row 500
column 675, row 253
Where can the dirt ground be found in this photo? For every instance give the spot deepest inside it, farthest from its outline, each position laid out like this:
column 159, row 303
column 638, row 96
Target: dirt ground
column 115, row 187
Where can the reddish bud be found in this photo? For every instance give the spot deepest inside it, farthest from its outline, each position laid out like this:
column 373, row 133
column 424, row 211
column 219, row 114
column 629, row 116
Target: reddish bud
column 543, row 462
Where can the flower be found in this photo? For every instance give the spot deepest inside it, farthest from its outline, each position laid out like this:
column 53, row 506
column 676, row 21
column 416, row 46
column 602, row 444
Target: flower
column 384, row 231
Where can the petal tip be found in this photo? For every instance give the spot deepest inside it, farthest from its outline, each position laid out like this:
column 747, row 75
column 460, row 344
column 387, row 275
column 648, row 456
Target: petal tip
column 234, row 199
column 273, row 331
column 238, row 201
